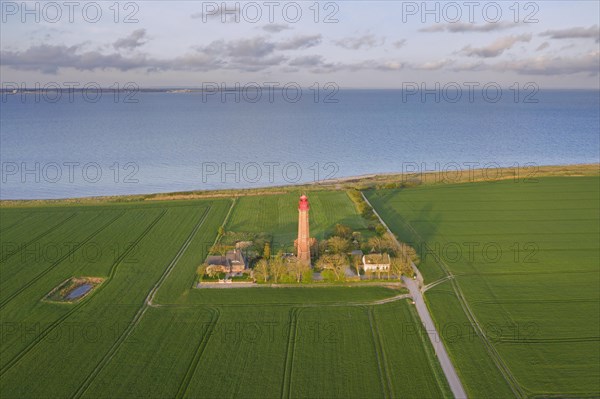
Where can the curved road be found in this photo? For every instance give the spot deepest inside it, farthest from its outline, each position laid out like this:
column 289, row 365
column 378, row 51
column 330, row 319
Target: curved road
column 434, row 337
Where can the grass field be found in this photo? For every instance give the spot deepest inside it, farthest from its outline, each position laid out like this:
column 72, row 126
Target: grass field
column 144, row 332
column 524, row 260
column 278, row 215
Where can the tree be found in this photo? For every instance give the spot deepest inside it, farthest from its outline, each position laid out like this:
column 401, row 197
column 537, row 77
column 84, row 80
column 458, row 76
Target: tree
column 220, row 249
column 376, row 244
column 213, row 270
column 221, row 230
column 381, row 244
column 307, row 275
column 400, row 266
column 267, row 250
column 297, row 268
column 410, row 252
column 356, row 262
column 380, row 229
column 201, row 270
column 336, row 263
column 243, row 244
column 356, row 239
column 341, row 230
column 277, row 268
column 338, row 245
column 323, row 247
column 261, row 270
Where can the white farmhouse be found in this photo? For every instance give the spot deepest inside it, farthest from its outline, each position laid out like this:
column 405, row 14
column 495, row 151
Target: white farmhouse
column 376, row 262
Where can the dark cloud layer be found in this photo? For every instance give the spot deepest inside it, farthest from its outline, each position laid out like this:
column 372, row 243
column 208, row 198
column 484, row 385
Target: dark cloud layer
column 355, row 43
column 496, row 48
column 574, row 33
column 251, row 54
column 461, row 27
column 276, row 28
column 137, row 38
column 50, row 58
column 588, row 64
column 300, row 42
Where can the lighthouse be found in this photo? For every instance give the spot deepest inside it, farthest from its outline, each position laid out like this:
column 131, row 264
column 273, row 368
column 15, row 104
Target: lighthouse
column 303, row 242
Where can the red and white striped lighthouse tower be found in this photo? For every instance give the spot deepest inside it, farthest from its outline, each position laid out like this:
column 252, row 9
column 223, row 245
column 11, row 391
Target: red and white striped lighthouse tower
column 303, row 242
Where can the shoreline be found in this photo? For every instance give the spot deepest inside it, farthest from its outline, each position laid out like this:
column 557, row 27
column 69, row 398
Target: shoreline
column 360, row 182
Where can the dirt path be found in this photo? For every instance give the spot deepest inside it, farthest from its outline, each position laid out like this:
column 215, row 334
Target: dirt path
column 435, row 338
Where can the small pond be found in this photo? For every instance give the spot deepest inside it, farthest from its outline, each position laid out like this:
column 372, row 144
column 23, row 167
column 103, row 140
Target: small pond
column 79, row 291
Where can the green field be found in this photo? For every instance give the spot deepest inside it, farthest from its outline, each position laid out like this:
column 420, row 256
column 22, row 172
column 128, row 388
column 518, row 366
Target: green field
column 524, row 260
column 145, row 332
column 278, row 216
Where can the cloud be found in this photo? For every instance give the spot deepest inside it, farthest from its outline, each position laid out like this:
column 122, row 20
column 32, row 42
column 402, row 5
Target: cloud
column 259, row 46
column 317, row 64
column 399, row 43
column 275, row 28
column 496, row 48
column 190, row 62
column 300, row 42
column 460, row 27
column 471, row 66
column 433, row 65
column 243, row 55
column 252, row 47
column 574, row 33
column 355, row 43
column 567, row 47
column 588, row 63
column 137, row 38
column 542, row 46
column 50, row 58
column 221, row 12
column 308, row 61
column 252, row 54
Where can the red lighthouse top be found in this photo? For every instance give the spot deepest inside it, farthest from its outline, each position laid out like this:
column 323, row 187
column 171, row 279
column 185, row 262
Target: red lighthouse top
column 303, row 203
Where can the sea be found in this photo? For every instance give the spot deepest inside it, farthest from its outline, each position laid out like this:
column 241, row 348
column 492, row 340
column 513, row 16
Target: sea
column 79, row 144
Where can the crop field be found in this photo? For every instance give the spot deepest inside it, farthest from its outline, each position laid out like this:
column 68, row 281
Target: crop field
column 278, row 215
column 520, row 311
column 145, row 332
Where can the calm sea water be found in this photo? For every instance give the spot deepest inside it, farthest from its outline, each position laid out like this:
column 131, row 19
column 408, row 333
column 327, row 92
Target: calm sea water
column 177, row 142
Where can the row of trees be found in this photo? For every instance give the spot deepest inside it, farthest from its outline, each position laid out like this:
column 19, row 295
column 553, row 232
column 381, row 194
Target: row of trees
column 339, row 244
column 334, row 252
column 282, row 270
column 336, row 265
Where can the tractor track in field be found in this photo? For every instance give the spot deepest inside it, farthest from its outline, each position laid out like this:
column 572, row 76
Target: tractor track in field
column 286, row 386
column 423, row 312
column 504, row 370
column 436, row 283
column 285, row 304
column 141, row 311
column 57, row 262
column 38, row 237
column 84, row 301
column 191, row 370
column 384, row 374
column 502, row 367
column 6, row 228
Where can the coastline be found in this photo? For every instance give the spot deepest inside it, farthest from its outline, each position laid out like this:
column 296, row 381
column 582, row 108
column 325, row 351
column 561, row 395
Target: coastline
column 360, row 182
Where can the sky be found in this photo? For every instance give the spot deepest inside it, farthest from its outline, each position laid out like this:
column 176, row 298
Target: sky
column 354, row 44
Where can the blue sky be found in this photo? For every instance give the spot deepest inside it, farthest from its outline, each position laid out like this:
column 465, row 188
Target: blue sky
column 364, row 44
